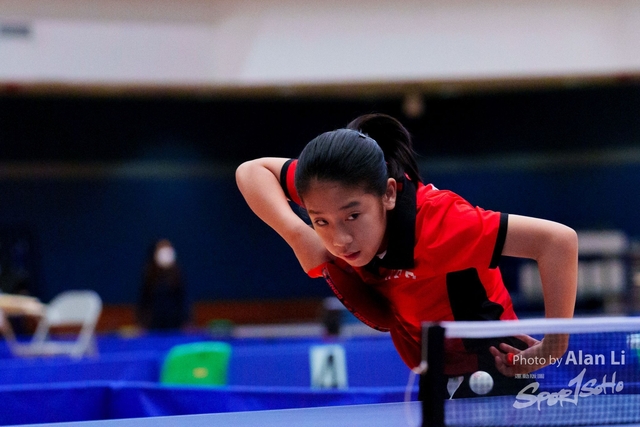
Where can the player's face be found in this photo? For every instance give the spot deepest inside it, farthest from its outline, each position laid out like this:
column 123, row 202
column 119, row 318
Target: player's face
column 350, row 222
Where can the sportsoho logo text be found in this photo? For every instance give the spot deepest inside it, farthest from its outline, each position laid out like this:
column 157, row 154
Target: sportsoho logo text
column 578, row 387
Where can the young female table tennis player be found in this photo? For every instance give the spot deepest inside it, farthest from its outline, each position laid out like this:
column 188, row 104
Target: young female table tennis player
column 398, row 252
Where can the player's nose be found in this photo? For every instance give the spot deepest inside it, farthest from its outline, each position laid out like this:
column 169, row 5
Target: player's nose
column 342, row 238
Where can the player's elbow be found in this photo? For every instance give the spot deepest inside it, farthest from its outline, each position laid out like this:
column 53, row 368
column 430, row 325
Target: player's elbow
column 566, row 239
column 245, row 173
column 555, row 243
column 242, row 171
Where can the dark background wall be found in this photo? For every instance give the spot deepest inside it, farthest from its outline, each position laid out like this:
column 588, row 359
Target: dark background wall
column 86, row 183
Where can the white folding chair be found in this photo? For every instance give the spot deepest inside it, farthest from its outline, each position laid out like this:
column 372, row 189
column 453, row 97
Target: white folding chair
column 78, row 309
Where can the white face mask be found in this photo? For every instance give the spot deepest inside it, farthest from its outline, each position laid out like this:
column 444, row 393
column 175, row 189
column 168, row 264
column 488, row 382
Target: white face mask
column 165, row 257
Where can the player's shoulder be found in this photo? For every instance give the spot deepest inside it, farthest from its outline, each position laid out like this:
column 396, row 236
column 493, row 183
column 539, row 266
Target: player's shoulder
column 429, row 196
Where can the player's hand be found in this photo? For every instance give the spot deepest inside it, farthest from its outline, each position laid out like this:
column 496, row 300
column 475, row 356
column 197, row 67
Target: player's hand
column 511, row 361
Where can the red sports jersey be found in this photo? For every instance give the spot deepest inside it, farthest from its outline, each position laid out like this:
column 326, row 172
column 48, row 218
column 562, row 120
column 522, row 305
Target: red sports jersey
column 440, row 265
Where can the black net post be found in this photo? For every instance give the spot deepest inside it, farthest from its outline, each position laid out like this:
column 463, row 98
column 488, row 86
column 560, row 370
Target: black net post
column 433, row 383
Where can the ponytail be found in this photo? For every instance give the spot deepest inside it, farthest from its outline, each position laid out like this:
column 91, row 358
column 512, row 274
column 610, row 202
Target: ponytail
column 372, row 149
column 395, row 142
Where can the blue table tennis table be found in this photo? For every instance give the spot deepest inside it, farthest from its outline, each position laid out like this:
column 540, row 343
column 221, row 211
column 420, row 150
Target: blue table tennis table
column 603, row 410
column 373, row 415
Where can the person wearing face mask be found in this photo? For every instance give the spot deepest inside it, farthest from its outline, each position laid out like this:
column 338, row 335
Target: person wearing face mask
column 162, row 303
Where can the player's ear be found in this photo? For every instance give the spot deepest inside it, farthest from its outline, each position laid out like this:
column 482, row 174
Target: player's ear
column 389, row 198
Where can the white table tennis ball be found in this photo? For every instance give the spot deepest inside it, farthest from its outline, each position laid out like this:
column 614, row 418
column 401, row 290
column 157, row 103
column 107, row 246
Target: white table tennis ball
column 481, row 382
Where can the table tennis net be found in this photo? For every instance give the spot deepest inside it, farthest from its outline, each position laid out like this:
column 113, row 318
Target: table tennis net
column 596, row 381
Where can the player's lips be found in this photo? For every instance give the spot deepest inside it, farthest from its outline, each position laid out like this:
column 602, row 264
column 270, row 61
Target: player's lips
column 351, row 256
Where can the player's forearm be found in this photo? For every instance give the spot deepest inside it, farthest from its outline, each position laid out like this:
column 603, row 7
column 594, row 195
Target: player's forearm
column 558, row 266
column 555, row 248
column 262, row 192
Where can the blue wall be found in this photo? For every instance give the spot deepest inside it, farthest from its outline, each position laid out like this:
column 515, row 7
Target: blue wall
column 94, row 232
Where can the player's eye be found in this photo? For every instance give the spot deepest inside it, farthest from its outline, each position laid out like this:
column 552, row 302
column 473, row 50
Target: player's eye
column 319, row 222
column 353, row 216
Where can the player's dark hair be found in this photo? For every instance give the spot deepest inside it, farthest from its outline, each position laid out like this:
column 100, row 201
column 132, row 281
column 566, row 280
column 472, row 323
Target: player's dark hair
column 373, row 148
column 346, row 156
column 395, row 141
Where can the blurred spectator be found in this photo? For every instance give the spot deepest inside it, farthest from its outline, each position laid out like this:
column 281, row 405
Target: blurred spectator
column 14, row 273
column 332, row 316
column 162, row 303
